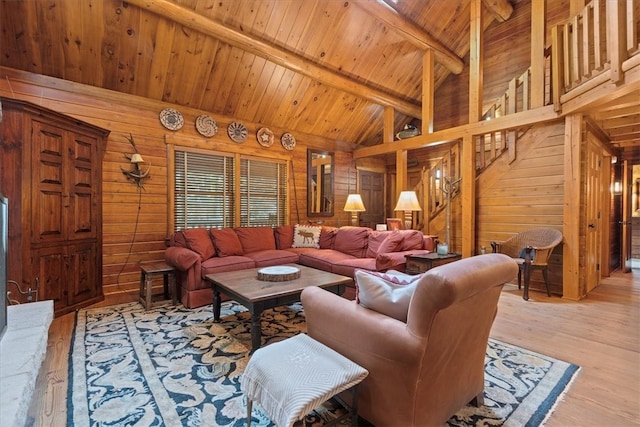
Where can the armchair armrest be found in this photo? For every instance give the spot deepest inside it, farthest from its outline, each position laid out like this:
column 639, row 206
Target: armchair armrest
column 181, row 258
column 360, row 334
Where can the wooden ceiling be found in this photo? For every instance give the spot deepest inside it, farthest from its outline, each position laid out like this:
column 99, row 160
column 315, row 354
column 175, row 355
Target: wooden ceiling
column 317, row 67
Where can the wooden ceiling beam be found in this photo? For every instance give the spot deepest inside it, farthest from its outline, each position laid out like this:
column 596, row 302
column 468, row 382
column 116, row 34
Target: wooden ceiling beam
column 500, row 9
column 415, row 35
column 289, row 60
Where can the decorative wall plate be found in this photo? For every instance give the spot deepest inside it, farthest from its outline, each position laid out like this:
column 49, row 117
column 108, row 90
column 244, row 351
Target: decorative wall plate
column 206, row 126
column 237, row 132
column 171, row 119
column 265, row 137
column 288, row 141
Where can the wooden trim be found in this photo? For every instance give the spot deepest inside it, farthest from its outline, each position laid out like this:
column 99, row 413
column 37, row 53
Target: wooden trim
column 570, row 221
column 616, row 37
column 428, row 91
column 538, row 31
column 524, row 118
column 475, row 61
column 389, row 116
column 468, row 194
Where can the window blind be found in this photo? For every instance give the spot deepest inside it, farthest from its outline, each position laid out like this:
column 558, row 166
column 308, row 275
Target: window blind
column 263, row 193
column 204, row 190
column 206, row 193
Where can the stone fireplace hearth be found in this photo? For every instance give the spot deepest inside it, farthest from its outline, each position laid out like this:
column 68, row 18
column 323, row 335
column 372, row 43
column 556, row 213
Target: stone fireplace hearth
column 22, row 351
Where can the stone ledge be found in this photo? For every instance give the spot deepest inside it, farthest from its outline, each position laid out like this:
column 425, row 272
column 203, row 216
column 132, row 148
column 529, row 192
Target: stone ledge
column 22, row 351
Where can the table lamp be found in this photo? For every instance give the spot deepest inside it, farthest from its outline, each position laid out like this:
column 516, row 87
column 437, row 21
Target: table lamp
column 354, row 205
column 408, row 202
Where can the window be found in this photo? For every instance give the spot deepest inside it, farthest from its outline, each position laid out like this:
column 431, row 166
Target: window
column 263, row 192
column 206, row 191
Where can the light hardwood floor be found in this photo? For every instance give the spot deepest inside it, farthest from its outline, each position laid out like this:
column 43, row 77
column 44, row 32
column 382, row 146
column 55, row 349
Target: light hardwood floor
column 601, row 334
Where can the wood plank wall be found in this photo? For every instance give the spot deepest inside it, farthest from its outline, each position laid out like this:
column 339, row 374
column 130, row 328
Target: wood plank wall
column 527, row 193
column 125, row 209
column 500, row 65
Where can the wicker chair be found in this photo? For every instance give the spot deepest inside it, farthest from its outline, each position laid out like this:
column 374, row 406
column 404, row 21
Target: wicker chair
column 531, row 249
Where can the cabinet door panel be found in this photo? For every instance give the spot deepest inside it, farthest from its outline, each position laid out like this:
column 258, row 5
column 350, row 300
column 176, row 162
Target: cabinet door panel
column 82, row 272
column 49, row 266
column 49, row 197
column 83, row 186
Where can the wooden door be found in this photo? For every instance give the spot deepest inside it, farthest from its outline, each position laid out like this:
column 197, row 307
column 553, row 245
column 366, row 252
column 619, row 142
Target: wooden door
column 594, row 202
column 372, row 192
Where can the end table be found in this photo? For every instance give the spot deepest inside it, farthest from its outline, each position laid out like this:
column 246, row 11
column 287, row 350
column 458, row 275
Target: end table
column 147, row 271
column 419, row 263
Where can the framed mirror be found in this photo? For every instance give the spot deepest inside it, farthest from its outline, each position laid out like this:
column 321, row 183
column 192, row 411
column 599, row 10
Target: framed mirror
column 320, row 175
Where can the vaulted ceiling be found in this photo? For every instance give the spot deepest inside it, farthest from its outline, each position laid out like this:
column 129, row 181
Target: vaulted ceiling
column 318, row 67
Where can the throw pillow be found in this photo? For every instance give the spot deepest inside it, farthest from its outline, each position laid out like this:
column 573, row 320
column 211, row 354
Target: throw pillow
column 306, row 236
column 226, row 241
column 255, row 239
column 198, row 240
column 412, row 240
column 387, row 293
column 392, row 243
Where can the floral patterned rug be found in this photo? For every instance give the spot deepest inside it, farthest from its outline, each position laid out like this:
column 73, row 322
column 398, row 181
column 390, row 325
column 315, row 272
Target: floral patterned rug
column 172, row 366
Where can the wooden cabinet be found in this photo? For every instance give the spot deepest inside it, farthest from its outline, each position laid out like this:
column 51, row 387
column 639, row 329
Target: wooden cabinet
column 51, row 171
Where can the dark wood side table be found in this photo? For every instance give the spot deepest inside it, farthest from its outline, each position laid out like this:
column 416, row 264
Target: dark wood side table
column 147, row 271
column 419, row 263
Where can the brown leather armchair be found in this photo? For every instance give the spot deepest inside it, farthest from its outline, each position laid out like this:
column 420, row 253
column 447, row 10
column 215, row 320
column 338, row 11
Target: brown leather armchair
column 423, row 371
column 531, row 249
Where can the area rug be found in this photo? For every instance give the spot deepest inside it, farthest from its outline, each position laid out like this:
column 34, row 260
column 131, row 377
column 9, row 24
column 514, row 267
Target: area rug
column 173, row 366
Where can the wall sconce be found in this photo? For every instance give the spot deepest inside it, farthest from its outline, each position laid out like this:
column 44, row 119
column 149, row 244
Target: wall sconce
column 135, row 174
column 408, row 202
column 354, row 205
column 616, row 188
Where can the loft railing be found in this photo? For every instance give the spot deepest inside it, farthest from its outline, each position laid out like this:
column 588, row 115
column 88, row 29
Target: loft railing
column 593, row 46
column 598, row 44
column 490, row 146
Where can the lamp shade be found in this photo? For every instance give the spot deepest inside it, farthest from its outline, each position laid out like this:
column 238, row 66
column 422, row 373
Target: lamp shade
column 408, row 201
column 354, row 203
column 136, row 158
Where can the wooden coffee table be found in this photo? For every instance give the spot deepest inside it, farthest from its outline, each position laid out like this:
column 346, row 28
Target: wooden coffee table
column 244, row 287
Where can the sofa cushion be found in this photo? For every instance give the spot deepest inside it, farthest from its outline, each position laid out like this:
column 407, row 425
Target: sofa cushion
column 272, row 257
column 327, row 237
column 306, row 236
column 352, row 241
column 226, row 242
column 413, row 239
column 322, row 259
column 284, row 236
column 227, row 263
column 199, row 241
column 387, row 293
column 348, row 267
column 381, row 242
column 254, row 239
